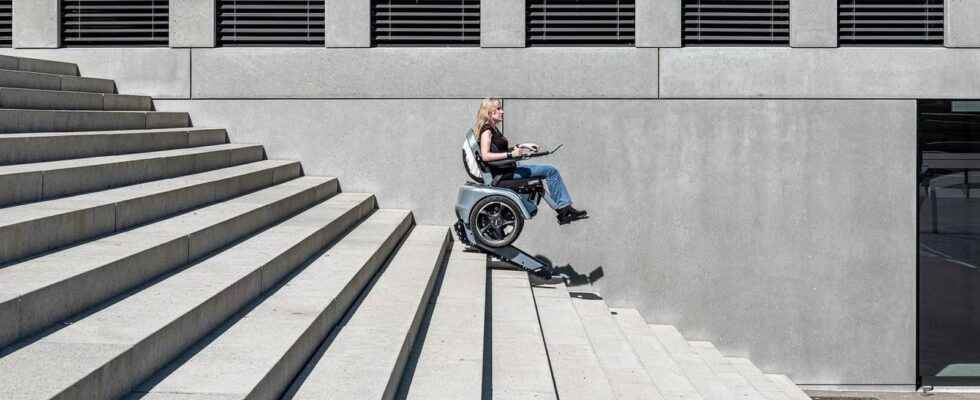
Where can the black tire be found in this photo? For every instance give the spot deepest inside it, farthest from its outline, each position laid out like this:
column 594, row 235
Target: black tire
column 496, row 221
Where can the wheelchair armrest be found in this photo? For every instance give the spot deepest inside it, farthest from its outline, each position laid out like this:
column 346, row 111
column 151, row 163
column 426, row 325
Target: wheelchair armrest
column 502, row 163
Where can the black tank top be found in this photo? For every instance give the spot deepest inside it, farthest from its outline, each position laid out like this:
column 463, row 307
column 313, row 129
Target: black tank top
column 498, row 144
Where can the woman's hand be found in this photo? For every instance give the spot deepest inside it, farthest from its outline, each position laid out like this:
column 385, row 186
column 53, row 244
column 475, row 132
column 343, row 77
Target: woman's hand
column 517, row 152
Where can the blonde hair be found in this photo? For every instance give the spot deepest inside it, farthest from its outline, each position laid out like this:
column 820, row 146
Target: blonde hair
column 487, row 107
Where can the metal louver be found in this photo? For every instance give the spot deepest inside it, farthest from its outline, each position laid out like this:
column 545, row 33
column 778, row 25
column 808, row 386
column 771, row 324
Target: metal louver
column 6, row 14
column 736, row 22
column 422, row 23
column 890, row 22
column 271, row 22
column 115, row 22
column 581, row 22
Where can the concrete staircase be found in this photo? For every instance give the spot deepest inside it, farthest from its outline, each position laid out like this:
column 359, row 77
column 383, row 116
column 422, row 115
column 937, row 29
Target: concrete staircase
column 142, row 258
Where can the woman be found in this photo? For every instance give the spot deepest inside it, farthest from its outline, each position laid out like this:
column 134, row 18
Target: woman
column 494, row 146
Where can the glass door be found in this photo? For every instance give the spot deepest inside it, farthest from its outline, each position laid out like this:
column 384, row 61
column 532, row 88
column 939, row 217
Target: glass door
column 949, row 242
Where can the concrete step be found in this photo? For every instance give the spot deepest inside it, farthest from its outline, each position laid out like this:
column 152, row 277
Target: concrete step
column 576, row 368
column 107, row 353
column 794, row 392
column 660, row 366
column 739, row 386
column 260, row 353
column 36, row 293
column 365, row 356
column 626, row 374
column 19, row 148
column 33, row 228
column 45, row 81
column 453, row 336
column 769, row 389
column 52, row 179
column 519, row 360
column 26, row 121
column 709, row 385
column 35, row 99
column 35, row 65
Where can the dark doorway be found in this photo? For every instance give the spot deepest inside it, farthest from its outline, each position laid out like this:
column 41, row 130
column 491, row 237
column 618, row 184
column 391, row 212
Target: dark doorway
column 949, row 242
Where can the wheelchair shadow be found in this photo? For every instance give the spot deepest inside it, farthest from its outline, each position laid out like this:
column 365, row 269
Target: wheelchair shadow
column 575, row 278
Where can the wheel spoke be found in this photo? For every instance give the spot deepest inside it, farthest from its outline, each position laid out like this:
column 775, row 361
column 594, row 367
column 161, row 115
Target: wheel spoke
column 500, row 232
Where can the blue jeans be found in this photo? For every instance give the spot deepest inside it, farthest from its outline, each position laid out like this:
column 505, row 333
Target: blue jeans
column 556, row 187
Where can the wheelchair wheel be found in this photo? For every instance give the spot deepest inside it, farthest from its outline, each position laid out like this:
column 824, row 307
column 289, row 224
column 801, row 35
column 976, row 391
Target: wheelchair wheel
column 496, row 221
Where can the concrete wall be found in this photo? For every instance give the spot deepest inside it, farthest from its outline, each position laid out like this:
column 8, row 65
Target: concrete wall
column 782, row 230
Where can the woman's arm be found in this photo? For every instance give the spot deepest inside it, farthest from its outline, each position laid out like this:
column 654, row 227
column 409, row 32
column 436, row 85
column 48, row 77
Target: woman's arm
column 485, row 153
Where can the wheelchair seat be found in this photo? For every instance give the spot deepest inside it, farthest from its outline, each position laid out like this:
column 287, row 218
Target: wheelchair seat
column 479, row 171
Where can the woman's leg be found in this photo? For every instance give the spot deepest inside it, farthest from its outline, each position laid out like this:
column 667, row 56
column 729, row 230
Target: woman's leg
column 556, row 187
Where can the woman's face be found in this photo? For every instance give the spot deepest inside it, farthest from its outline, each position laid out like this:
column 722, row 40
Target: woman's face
column 498, row 114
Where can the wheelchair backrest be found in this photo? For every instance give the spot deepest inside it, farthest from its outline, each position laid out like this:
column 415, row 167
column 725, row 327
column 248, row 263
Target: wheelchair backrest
column 471, row 159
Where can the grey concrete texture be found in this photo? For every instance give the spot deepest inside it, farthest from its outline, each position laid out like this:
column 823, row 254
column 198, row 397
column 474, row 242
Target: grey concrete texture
column 46, row 180
column 25, row 121
column 258, row 356
column 661, row 367
column 788, row 386
column 39, row 147
column 519, row 359
column 66, row 100
column 366, row 357
column 424, row 73
column 36, row 24
column 659, row 23
column 813, row 23
column 212, row 291
column 770, row 389
column 45, row 81
column 575, row 366
column 848, row 72
column 745, row 195
column 156, row 72
column 502, row 23
column 626, row 373
column 32, row 228
column 729, row 375
column 454, row 337
column 37, row 65
column 709, row 385
column 348, row 23
column 961, row 29
column 192, row 23
column 43, row 290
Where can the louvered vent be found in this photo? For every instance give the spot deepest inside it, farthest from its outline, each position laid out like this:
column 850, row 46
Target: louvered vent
column 6, row 13
column 736, row 22
column 271, row 23
column 426, row 22
column 890, row 22
column 581, row 22
column 115, row 22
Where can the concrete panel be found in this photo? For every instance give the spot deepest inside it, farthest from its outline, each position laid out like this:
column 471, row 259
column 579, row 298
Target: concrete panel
column 12, row 121
column 502, row 23
column 37, row 24
column 157, row 72
column 703, row 211
column 424, row 73
column 80, row 84
column 961, row 28
column 863, row 72
column 192, row 23
column 658, row 23
column 29, row 80
column 813, row 23
column 348, row 23
column 8, row 62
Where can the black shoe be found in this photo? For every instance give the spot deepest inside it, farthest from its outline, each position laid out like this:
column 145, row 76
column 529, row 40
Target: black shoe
column 568, row 214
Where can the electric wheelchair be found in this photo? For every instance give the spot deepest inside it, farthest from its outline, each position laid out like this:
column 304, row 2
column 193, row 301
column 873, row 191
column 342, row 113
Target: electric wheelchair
column 491, row 210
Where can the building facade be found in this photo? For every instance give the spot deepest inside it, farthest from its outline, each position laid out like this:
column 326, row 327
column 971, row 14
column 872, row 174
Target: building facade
column 753, row 183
